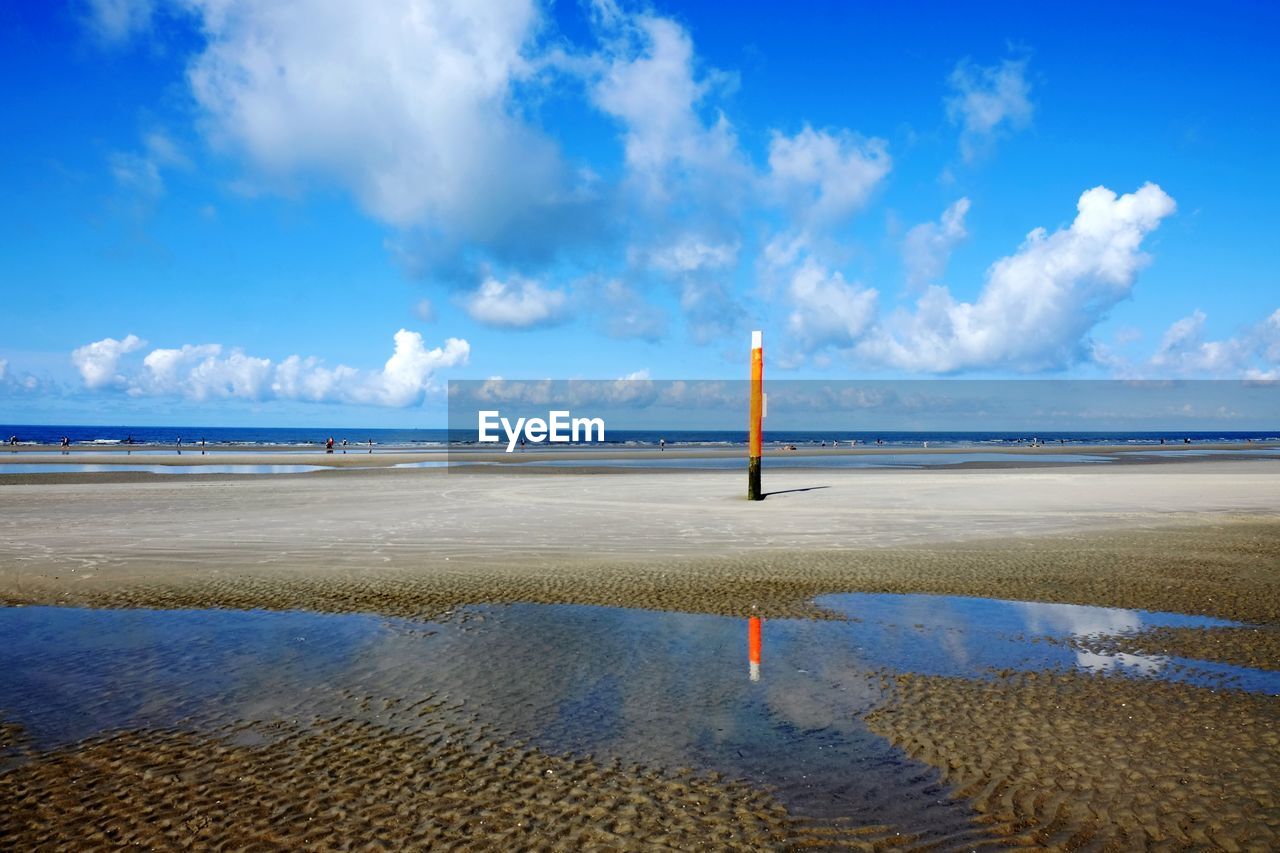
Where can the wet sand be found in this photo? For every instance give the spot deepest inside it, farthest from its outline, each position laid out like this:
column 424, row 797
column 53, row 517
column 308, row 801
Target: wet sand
column 1065, row 758
column 1094, row 761
column 1200, row 538
column 325, row 785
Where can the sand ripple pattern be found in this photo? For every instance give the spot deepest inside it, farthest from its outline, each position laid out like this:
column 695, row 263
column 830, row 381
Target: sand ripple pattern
column 350, row 784
column 1100, row 761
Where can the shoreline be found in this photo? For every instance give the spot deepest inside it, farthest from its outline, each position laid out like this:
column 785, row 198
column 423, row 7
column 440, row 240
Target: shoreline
column 390, row 458
column 610, row 448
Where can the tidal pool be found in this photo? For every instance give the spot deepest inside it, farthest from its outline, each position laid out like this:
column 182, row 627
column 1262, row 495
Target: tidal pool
column 666, row 690
column 74, row 468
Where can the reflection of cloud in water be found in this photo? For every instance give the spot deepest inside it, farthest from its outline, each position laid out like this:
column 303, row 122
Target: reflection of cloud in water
column 1080, row 621
column 826, row 694
column 1139, row 664
column 939, row 616
column 1077, row 620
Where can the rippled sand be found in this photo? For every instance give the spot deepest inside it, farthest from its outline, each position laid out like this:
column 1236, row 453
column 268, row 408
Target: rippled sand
column 1082, row 760
column 327, row 785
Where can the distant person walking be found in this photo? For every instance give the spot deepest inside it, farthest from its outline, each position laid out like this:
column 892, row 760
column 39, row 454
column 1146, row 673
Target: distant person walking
column 371, row 445
column 328, row 445
column 662, row 444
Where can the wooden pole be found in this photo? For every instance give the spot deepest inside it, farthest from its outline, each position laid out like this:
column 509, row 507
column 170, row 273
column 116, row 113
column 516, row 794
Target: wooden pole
column 754, row 492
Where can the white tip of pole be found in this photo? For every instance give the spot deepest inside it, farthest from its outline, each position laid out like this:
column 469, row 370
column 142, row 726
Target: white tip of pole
column 757, row 340
column 754, row 671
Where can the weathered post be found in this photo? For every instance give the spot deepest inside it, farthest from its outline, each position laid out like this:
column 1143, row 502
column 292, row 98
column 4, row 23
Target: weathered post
column 754, row 492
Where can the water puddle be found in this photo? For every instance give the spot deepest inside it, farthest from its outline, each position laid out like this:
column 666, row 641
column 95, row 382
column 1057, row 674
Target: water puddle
column 1241, row 452
column 73, row 468
column 778, row 703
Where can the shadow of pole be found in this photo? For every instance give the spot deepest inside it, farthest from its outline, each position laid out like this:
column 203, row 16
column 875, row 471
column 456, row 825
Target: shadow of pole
column 789, row 491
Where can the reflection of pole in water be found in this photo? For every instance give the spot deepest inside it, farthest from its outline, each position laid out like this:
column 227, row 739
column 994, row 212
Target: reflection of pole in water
column 753, row 646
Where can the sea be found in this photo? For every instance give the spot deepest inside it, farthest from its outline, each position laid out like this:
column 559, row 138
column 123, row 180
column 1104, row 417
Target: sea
column 108, row 437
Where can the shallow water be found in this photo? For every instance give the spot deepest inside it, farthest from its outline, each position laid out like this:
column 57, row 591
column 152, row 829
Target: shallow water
column 73, row 468
column 1249, row 452
column 662, row 689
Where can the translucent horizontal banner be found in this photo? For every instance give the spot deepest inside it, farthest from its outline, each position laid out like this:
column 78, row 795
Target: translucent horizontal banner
column 508, row 416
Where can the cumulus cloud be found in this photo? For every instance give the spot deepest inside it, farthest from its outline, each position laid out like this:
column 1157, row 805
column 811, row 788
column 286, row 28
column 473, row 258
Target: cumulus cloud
column 827, row 310
column 407, row 104
column 686, row 173
column 928, row 246
column 97, row 361
column 649, row 84
column 827, row 175
column 821, row 178
column 1038, row 304
column 987, row 101
column 1183, row 351
column 692, row 253
column 518, row 304
column 202, row 372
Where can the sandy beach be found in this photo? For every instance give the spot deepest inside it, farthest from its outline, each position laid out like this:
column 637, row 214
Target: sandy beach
column 1198, row 537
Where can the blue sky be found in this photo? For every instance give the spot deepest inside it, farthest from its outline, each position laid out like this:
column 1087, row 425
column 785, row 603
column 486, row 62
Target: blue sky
column 314, row 213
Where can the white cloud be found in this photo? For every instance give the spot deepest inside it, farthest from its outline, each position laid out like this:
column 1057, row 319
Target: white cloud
column 684, row 160
column 4, row 367
column 827, row 310
column 405, row 376
column 927, row 247
column 692, row 254
column 988, row 100
column 1183, row 351
column 408, row 104
column 1269, row 338
column 1038, row 304
column 204, row 372
column 826, row 176
column 649, row 85
column 97, row 361
column 201, row 372
column 520, row 304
